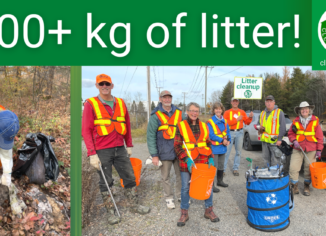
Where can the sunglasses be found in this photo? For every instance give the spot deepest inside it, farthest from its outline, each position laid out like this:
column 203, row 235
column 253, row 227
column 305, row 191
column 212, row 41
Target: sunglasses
column 104, row 83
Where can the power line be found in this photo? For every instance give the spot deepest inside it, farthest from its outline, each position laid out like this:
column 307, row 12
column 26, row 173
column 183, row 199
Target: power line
column 131, row 78
column 123, row 81
column 226, row 73
column 194, row 80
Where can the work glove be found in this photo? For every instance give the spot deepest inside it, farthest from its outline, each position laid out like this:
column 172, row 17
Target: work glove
column 6, row 179
column 95, row 161
column 296, row 144
column 210, row 162
column 129, row 151
column 318, row 155
column 190, row 164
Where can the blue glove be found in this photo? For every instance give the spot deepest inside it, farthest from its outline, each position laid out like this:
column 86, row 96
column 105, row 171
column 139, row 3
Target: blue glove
column 190, row 164
column 210, row 162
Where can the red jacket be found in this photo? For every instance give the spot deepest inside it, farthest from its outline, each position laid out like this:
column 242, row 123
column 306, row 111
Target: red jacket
column 95, row 142
column 306, row 145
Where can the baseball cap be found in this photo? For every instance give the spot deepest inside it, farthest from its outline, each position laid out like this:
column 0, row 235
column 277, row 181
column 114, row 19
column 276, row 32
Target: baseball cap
column 103, row 77
column 165, row 92
column 234, row 99
column 270, row 97
column 9, row 126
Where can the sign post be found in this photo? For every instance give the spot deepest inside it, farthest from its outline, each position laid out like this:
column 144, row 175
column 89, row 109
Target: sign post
column 248, row 87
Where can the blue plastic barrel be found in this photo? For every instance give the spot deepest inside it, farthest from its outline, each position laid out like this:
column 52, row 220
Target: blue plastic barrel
column 268, row 204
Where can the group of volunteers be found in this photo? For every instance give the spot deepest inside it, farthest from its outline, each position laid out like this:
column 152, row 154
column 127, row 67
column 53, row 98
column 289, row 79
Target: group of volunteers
column 182, row 140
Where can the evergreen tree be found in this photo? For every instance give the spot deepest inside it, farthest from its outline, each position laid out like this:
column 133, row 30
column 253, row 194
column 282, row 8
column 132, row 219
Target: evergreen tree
column 153, row 106
column 227, row 94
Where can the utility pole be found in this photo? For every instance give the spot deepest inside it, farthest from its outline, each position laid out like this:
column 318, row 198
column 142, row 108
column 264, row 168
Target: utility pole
column 184, row 101
column 148, row 92
column 206, row 85
column 202, row 100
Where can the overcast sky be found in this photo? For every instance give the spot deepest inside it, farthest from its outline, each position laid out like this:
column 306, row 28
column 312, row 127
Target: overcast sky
column 176, row 79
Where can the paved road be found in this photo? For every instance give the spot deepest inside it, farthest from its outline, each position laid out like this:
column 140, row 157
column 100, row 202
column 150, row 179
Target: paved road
column 307, row 218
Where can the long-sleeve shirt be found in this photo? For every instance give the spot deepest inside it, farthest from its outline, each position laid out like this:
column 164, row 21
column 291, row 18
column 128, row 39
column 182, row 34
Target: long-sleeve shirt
column 219, row 149
column 305, row 144
column 93, row 140
column 282, row 129
column 235, row 113
column 181, row 153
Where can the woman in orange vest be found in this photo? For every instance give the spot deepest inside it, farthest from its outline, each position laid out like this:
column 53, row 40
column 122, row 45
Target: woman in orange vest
column 305, row 133
column 219, row 134
column 195, row 135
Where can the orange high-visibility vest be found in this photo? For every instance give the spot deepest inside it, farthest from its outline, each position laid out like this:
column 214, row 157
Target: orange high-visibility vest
column 104, row 122
column 169, row 124
column 238, row 123
column 2, row 108
column 195, row 147
column 217, row 131
column 308, row 133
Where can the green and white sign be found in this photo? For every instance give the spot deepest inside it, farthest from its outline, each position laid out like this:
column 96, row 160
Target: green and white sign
column 248, row 87
column 322, row 30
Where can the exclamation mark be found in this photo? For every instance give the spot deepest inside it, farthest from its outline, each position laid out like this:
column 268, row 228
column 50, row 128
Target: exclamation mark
column 296, row 29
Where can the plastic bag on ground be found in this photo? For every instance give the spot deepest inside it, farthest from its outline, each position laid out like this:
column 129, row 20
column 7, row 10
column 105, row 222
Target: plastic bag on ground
column 36, row 146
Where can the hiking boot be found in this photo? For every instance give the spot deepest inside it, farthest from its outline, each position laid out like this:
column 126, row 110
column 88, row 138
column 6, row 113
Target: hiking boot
column 220, row 179
column 108, row 203
column 209, row 214
column 131, row 195
column 236, row 173
column 295, row 188
column 306, row 190
column 170, row 203
column 184, row 217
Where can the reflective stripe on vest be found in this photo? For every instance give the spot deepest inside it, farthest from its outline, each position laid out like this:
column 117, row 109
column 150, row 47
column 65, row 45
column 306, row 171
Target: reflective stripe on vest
column 231, row 117
column 195, row 147
column 272, row 125
column 104, row 122
column 218, row 132
column 169, row 124
column 308, row 133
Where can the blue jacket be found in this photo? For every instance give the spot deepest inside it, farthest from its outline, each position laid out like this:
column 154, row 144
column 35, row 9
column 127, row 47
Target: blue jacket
column 157, row 145
column 220, row 149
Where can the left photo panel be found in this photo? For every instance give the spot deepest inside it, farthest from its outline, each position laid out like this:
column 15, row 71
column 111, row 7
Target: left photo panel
column 35, row 150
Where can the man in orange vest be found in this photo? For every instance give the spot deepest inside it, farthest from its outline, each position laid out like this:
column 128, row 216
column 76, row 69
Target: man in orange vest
column 235, row 118
column 160, row 139
column 192, row 145
column 105, row 129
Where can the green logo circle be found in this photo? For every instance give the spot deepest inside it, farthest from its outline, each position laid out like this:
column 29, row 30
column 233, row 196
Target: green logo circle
column 247, row 93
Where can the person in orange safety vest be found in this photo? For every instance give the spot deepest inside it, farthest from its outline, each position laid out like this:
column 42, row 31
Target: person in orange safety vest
column 235, row 118
column 105, row 129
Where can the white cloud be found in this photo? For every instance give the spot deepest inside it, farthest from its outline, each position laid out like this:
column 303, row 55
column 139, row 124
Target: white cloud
column 88, row 83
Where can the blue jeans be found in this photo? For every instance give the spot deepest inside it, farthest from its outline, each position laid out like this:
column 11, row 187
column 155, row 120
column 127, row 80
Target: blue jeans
column 237, row 137
column 185, row 178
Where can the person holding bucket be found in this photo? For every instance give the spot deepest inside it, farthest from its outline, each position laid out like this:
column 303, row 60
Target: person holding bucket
column 193, row 148
column 219, row 134
column 307, row 136
column 105, row 129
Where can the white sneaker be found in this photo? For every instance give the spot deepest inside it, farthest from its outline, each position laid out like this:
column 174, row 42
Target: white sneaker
column 170, row 203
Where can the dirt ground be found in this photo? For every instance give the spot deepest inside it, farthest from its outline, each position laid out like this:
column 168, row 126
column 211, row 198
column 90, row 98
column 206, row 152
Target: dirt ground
column 307, row 218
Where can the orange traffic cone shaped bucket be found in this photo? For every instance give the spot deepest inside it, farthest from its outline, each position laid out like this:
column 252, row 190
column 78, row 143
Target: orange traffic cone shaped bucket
column 318, row 175
column 136, row 166
column 201, row 182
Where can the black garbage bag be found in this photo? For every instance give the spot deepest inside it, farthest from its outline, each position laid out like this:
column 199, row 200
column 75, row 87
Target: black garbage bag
column 34, row 145
column 285, row 148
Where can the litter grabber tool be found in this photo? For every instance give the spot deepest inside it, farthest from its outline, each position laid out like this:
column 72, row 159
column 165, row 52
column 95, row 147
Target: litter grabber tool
column 250, row 164
column 189, row 153
column 305, row 155
column 107, row 185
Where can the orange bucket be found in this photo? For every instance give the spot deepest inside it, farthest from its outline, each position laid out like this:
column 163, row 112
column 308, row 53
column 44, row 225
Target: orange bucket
column 201, row 182
column 318, row 175
column 136, row 166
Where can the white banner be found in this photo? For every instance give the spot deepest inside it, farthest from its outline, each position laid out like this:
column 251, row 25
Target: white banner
column 248, row 87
